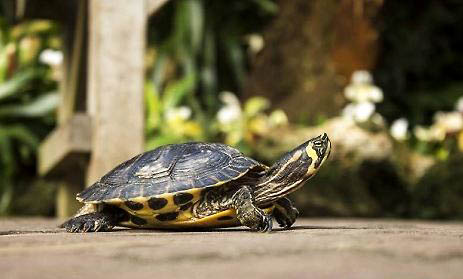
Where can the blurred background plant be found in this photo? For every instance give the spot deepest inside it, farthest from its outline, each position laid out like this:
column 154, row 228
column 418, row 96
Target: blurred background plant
column 27, row 100
column 197, row 49
column 244, row 126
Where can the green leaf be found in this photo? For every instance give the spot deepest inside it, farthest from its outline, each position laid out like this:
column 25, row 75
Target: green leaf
column 267, row 6
column 153, row 107
column 6, row 154
column 39, row 107
column 15, row 84
column 159, row 70
column 209, row 69
column 20, row 133
column 177, row 90
column 236, row 60
column 256, row 105
column 196, row 24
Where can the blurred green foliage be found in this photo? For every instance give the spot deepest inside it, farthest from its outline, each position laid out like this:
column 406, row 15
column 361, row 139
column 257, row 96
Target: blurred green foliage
column 27, row 100
column 197, row 49
column 368, row 188
column 439, row 193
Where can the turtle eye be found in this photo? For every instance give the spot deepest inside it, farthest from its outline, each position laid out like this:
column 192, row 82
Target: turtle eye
column 317, row 143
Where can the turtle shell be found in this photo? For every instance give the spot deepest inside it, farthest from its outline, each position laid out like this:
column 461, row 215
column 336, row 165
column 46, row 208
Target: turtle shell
column 179, row 170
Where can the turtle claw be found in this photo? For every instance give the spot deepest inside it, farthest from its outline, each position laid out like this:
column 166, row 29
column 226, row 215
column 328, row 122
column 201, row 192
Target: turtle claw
column 285, row 213
column 89, row 226
column 92, row 222
column 73, row 228
column 266, row 225
column 97, row 227
column 286, row 221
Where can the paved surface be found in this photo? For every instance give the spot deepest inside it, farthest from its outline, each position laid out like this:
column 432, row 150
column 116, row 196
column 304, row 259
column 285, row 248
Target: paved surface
column 315, row 248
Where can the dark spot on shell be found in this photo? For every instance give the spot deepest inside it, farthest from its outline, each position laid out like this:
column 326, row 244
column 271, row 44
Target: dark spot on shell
column 138, row 221
column 157, row 203
column 133, row 205
column 225, row 218
column 182, row 198
column 167, row 216
column 120, row 214
column 186, row 206
column 123, row 217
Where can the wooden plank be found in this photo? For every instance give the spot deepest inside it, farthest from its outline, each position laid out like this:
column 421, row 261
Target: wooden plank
column 64, row 146
column 115, row 82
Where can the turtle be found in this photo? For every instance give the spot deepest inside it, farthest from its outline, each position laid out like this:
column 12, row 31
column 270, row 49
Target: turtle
column 199, row 185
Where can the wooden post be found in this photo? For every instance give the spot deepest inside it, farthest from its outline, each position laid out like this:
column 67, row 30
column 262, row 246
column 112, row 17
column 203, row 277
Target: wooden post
column 115, row 82
column 72, row 88
column 154, row 5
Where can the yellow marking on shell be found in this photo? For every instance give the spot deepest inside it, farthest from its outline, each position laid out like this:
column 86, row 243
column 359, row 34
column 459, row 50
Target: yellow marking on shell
column 147, row 211
column 191, row 222
column 220, row 183
column 187, row 220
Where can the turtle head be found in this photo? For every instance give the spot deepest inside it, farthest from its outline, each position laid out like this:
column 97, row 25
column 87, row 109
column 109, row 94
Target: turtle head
column 317, row 150
column 293, row 169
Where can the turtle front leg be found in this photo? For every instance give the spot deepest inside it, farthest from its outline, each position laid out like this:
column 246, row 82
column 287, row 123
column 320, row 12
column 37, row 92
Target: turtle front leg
column 285, row 213
column 248, row 213
column 104, row 220
column 92, row 222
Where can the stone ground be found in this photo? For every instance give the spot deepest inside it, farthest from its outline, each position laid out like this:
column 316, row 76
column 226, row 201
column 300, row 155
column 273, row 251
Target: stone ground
column 315, row 248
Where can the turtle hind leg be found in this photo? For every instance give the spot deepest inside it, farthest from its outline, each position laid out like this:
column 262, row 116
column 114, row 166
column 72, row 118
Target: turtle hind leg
column 285, row 213
column 248, row 213
column 94, row 221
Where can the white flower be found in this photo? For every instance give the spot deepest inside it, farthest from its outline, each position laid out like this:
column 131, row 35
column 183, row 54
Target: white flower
column 363, row 93
column 51, row 57
column 376, row 94
column 256, row 43
column 359, row 112
column 434, row 133
column 361, row 77
column 378, row 119
column 459, row 105
column 450, row 122
column 399, row 129
column 364, row 111
column 278, row 118
column 361, row 89
column 231, row 111
column 180, row 113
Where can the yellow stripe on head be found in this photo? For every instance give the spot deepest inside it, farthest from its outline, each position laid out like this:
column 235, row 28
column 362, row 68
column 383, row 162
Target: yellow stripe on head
column 313, row 155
